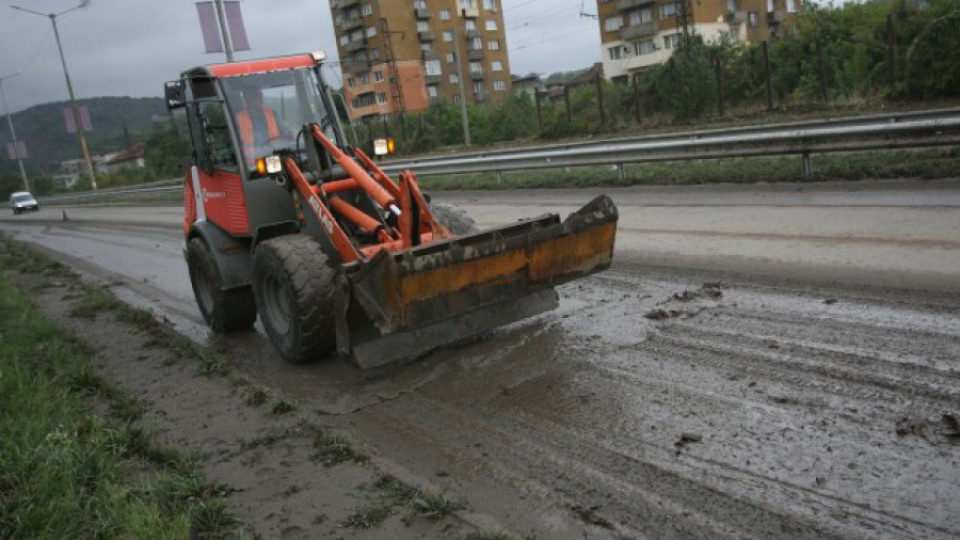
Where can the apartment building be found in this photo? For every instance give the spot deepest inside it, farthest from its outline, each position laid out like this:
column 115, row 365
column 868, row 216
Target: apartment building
column 399, row 55
column 640, row 33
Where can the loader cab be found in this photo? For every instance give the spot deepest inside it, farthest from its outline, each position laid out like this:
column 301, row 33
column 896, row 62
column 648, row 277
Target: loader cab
column 241, row 112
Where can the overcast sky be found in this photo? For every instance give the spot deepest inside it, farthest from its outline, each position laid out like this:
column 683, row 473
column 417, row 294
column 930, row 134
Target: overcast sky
column 130, row 47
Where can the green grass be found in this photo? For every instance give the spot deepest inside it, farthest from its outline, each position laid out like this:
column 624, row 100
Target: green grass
column 67, row 472
column 925, row 164
column 390, row 495
column 330, row 450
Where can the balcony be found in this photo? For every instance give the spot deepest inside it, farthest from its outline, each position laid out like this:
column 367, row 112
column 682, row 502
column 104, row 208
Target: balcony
column 736, row 17
column 471, row 34
column 627, row 5
column 344, row 4
column 641, row 30
column 349, row 23
column 428, row 56
column 475, row 54
column 776, row 17
column 358, row 66
column 470, row 12
column 423, row 13
column 355, row 46
column 478, row 75
column 426, row 36
column 432, row 79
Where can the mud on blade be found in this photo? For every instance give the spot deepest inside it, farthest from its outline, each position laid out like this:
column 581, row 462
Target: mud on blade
column 402, row 305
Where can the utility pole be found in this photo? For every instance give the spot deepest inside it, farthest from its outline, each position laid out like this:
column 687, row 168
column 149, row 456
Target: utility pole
column 73, row 100
column 227, row 44
column 464, row 119
column 13, row 133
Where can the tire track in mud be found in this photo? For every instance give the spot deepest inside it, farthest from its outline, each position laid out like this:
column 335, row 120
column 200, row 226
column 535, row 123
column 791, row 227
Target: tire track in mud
column 764, row 414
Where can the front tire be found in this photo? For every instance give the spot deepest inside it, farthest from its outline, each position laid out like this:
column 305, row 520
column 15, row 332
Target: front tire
column 223, row 310
column 294, row 287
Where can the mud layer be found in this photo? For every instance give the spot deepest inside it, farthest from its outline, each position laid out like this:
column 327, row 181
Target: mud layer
column 804, row 384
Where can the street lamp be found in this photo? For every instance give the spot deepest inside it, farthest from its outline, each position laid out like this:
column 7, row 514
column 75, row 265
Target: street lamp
column 73, row 101
column 13, row 133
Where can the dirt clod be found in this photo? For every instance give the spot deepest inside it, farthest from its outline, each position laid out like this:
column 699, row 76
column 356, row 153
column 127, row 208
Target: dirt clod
column 589, row 516
column 949, row 426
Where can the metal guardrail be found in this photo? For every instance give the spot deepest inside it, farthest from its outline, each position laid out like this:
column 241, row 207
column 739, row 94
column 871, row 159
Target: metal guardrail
column 874, row 132
column 877, row 132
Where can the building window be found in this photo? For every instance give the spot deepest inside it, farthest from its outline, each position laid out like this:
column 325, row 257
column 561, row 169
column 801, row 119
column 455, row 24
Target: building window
column 671, row 41
column 668, row 10
column 754, row 18
column 641, row 48
column 791, row 6
column 613, row 24
column 338, row 20
column 375, row 54
column 451, row 58
column 616, row 53
column 365, row 79
column 470, row 24
column 499, row 85
column 356, row 35
column 426, row 47
column 433, row 91
column 377, row 76
column 476, row 67
column 447, row 35
column 423, row 26
column 432, row 68
column 476, row 44
column 444, row 14
column 490, row 5
column 496, row 65
column 350, row 82
column 371, row 31
column 381, row 98
column 366, row 10
column 344, row 39
column 769, row 6
column 467, row 4
column 490, row 25
column 420, row 4
column 456, row 98
column 641, row 16
column 478, row 88
column 493, row 44
column 454, row 78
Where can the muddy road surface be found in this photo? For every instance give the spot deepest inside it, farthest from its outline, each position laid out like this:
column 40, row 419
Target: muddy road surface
column 777, row 361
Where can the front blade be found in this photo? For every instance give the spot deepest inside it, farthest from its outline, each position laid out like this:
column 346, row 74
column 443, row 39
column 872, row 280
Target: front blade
column 473, row 280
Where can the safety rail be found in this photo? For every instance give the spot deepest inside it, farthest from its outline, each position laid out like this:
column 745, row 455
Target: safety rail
column 856, row 134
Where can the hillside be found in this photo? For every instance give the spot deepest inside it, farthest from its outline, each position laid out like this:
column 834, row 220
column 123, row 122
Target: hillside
column 117, row 123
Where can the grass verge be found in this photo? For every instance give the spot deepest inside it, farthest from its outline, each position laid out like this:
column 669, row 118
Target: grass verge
column 66, row 471
column 925, row 164
column 391, row 495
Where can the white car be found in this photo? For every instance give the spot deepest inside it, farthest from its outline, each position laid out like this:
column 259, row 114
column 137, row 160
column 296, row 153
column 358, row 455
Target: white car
column 21, row 201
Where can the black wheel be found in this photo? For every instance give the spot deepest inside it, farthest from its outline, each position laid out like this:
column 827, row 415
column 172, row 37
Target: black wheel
column 453, row 217
column 224, row 311
column 294, row 287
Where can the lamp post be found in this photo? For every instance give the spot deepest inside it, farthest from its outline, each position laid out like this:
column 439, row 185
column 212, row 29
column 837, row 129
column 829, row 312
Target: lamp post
column 73, row 101
column 13, row 132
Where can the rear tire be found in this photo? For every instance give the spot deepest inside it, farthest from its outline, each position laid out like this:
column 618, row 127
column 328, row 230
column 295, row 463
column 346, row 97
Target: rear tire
column 294, row 287
column 224, row 311
column 453, row 218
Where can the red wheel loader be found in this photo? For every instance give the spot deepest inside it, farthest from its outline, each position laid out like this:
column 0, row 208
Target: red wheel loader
column 285, row 220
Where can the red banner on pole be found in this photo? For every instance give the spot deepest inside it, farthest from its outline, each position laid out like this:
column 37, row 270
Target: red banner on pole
column 13, row 148
column 71, row 123
column 208, row 25
column 238, row 34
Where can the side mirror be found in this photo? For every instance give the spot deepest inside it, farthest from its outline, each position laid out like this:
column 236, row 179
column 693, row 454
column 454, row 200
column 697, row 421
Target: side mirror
column 175, row 94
